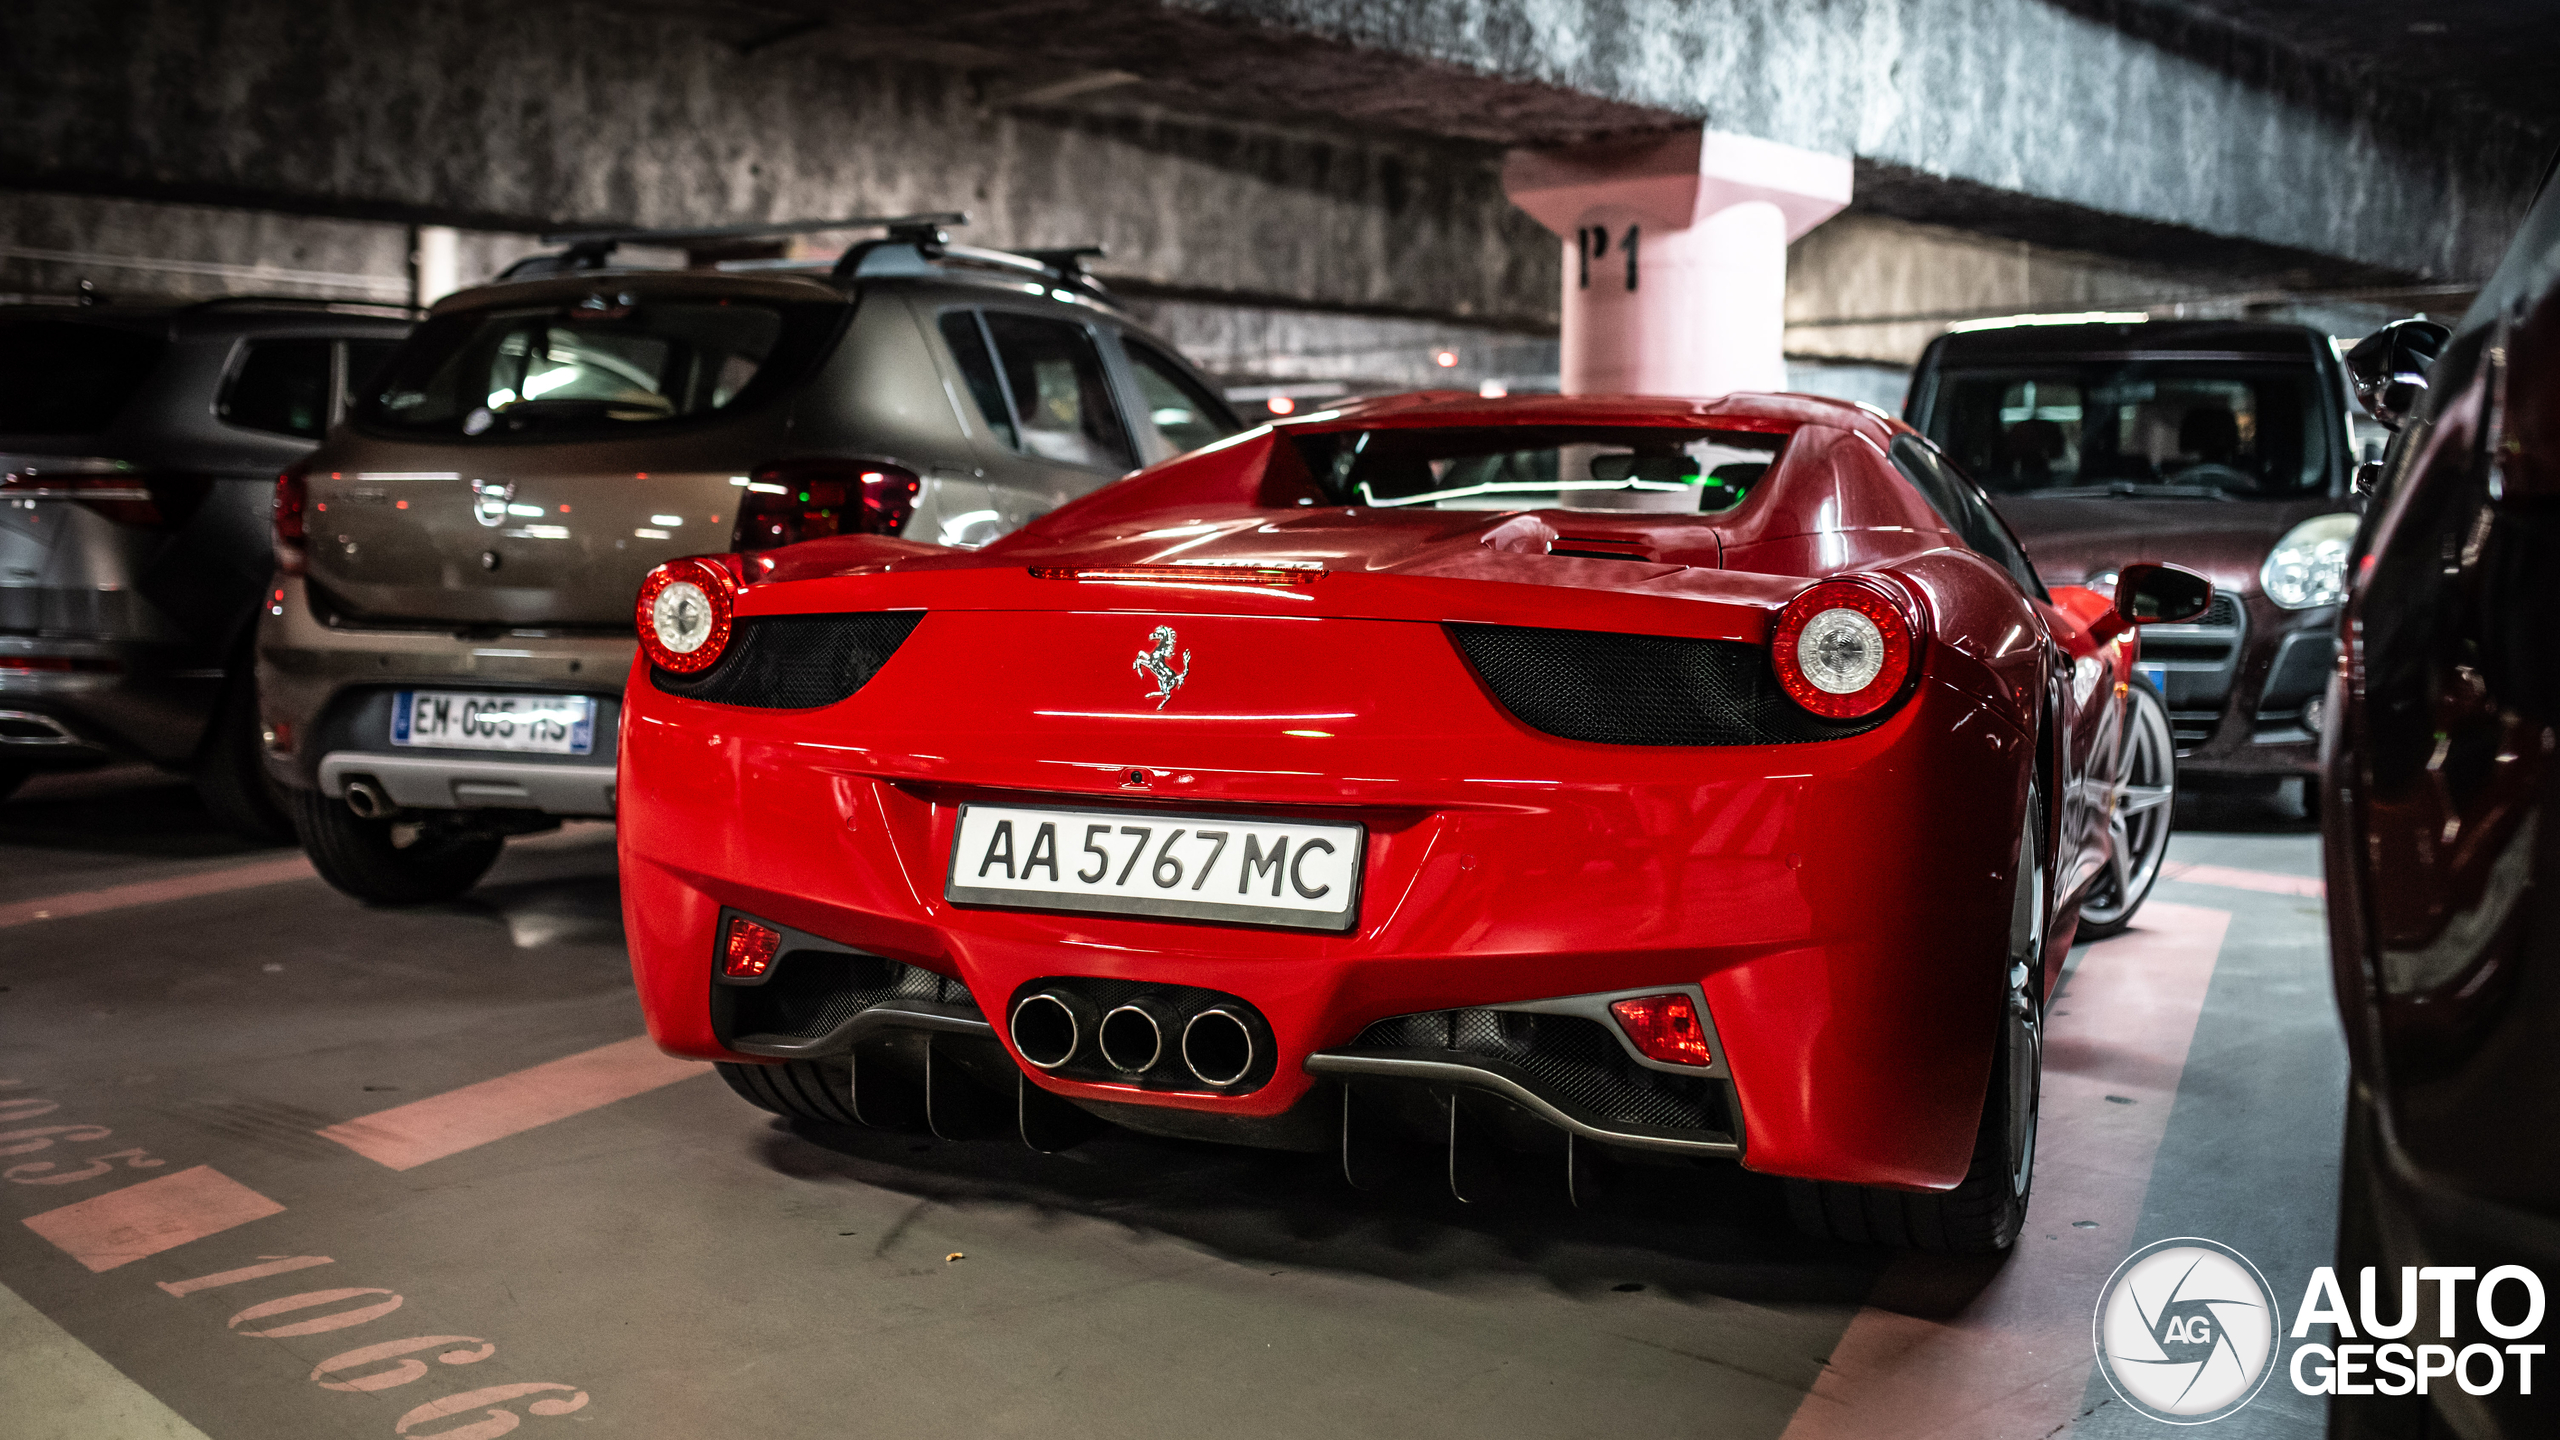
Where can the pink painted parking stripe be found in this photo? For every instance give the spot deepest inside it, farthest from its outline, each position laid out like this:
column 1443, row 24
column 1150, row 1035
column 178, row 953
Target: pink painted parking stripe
column 125, row 1225
column 2229, row 878
column 2014, row 1362
column 154, row 892
column 410, row 1135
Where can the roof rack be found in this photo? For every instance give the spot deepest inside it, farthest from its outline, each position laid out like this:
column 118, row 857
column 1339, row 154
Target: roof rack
column 400, row 308
column 593, row 249
column 924, row 250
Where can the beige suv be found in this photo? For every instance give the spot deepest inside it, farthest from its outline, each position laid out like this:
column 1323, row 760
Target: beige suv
column 441, row 658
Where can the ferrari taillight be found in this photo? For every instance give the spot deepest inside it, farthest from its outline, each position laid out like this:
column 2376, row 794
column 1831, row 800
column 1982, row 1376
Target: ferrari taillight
column 293, row 498
column 795, row 500
column 1844, row 647
column 1664, row 1028
column 749, row 948
column 684, row 615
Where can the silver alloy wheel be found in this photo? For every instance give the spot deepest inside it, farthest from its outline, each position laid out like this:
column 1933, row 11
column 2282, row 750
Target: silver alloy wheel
column 2023, row 1014
column 2146, row 789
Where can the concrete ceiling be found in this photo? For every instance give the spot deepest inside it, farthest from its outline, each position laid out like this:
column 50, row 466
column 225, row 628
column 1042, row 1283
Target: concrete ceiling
column 2502, row 53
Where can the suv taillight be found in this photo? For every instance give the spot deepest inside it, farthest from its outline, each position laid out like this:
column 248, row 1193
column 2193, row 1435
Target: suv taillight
column 162, row 502
column 794, row 500
column 293, row 499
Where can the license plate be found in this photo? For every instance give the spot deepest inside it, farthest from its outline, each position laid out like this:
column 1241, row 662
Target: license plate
column 1300, row 875
column 460, row 720
column 2158, row 675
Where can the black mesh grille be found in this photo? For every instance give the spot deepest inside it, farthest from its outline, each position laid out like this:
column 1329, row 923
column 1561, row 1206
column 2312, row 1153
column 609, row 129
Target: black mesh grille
column 2224, row 611
column 1643, row 689
column 796, row 662
column 1574, row 1060
column 813, row 991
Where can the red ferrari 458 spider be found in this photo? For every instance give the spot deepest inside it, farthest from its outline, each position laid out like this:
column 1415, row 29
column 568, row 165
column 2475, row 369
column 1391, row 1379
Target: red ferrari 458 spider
column 1549, row 781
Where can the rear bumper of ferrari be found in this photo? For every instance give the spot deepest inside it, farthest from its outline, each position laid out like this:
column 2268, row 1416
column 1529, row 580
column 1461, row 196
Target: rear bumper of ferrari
column 1839, row 908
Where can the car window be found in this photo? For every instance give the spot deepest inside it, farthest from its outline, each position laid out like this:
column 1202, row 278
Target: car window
column 63, row 377
column 602, row 365
column 966, row 335
column 1532, row 467
column 2172, row 428
column 1062, row 404
column 1180, row 413
column 280, row 386
column 1959, row 502
column 365, row 359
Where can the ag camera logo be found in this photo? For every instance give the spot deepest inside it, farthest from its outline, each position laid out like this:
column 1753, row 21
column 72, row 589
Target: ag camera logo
column 2186, row 1330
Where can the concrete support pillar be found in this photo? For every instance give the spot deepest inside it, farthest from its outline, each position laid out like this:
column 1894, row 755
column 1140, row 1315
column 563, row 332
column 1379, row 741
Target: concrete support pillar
column 435, row 263
column 1675, row 255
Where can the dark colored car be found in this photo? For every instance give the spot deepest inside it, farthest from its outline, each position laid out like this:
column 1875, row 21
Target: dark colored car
column 442, row 661
column 140, row 445
column 2444, row 855
column 2222, row 446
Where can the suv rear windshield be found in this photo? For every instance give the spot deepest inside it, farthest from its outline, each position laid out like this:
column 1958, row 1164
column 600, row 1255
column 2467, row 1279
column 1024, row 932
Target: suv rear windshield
column 1534, row 467
column 2193, row 428
column 66, row 377
column 597, row 367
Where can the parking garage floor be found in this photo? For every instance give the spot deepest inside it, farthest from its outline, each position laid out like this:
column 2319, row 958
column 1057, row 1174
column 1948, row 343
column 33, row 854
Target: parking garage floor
column 282, row 1166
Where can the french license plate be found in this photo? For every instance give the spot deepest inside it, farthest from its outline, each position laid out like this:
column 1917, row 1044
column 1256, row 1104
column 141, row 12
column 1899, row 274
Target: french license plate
column 461, row 720
column 2158, row 675
column 1297, row 874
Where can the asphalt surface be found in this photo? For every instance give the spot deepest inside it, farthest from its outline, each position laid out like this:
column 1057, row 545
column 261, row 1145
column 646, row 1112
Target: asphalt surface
column 676, row 1263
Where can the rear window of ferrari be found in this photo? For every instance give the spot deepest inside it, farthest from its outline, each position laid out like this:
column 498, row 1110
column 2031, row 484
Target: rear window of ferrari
column 602, row 366
column 1655, row 469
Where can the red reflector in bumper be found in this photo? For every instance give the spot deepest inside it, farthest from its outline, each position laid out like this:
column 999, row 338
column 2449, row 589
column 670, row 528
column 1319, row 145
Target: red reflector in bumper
column 750, row 948
column 1665, row 1028
column 60, row 664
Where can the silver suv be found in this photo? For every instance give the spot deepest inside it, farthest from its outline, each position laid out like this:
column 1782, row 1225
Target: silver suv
column 138, row 445
column 443, row 661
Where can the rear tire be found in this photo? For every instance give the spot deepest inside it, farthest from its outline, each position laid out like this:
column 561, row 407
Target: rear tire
column 387, row 862
column 231, row 774
column 796, row 1089
column 1986, row 1210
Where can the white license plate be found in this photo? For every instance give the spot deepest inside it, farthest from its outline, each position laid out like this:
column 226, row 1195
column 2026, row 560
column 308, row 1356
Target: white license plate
column 1301, row 875
column 461, row 720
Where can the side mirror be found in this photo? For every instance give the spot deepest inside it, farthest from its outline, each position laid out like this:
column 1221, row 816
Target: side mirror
column 2161, row 594
column 2389, row 367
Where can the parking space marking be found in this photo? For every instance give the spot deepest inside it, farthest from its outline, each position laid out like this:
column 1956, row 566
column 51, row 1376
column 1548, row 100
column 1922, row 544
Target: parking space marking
column 154, row 892
column 59, row 1388
column 410, row 1135
column 125, row 1225
column 2014, row 1363
column 2232, row 878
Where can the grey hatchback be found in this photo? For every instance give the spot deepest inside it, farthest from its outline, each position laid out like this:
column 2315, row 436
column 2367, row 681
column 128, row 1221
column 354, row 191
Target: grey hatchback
column 443, row 659
column 139, row 443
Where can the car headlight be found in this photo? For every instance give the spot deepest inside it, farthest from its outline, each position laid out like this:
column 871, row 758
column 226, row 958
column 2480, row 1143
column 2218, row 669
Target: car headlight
column 2309, row 565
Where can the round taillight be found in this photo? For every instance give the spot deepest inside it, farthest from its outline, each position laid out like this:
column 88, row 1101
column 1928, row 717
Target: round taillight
column 684, row 615
column 1843, row 649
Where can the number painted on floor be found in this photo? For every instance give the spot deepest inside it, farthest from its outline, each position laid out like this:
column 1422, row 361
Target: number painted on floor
column 36, row 1173
column 404, row 1372
column 28, row 1142
column 27, row 1108
column 498, row 1422
column 307, row 1300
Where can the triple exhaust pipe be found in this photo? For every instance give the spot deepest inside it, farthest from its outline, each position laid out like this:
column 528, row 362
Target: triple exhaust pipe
column 1052, row 1028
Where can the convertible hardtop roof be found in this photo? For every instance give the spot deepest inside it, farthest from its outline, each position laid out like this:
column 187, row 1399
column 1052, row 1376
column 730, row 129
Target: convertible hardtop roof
column 1460, row 409
column 2246, row 339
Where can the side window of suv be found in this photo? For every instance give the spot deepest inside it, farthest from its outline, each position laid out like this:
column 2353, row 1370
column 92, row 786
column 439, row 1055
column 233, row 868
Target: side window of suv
column 1179, row 413
column 1959, row 502
column 280, row 386
column 1061, row 400
column 363, row 367
column 966, row 334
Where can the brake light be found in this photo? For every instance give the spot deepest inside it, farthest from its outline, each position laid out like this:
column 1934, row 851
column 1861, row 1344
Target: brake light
column 1262, row 576
column 684, row 615
column 293, row 498
column 1665, row 1028
column 1844, row 648
column 750, row 948
column 795, row 500
column 159, row 501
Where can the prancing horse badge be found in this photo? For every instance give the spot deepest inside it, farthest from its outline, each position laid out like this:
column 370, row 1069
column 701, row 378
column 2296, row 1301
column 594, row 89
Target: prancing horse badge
column 1159, row 664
